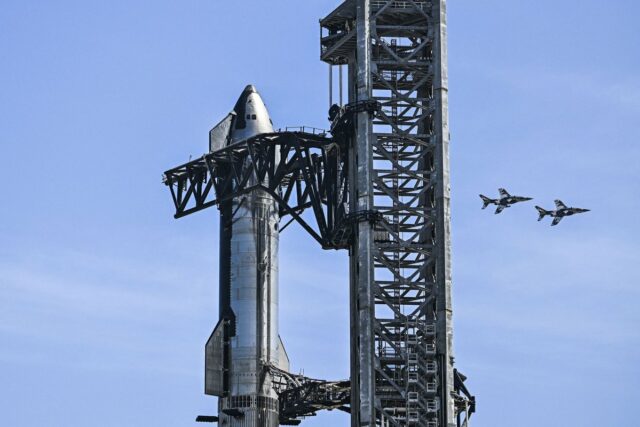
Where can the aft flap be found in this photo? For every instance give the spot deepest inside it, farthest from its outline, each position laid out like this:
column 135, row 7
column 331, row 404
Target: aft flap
column 214, row 362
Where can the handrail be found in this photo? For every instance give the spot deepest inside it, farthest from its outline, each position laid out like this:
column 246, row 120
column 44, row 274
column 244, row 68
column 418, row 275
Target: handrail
column 306, row 129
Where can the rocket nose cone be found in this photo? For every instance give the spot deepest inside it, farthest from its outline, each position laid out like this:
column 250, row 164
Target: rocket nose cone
column 252, row 117
column 245, row 97
column 250, row 89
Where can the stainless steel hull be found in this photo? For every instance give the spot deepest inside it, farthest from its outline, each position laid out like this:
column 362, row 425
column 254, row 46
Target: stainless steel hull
column 246, row 340
column 253, row 298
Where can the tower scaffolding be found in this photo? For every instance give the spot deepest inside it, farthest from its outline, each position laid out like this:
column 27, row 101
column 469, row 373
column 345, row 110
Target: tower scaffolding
column 402, row 347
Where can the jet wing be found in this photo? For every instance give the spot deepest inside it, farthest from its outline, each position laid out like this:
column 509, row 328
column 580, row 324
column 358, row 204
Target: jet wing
column 503, row 192
column 500, row 209
column 560, row 205
column 556, row 220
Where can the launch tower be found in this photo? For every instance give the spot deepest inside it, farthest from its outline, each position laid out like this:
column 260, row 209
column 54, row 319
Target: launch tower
column 378, row 185
column 402, row 344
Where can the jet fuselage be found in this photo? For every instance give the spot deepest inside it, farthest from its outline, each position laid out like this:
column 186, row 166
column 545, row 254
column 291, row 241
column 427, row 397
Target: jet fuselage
column 504, row 201
column 560, row 212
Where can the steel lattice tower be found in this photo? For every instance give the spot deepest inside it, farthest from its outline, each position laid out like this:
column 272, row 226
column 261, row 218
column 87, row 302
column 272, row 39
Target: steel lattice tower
column 401, row 321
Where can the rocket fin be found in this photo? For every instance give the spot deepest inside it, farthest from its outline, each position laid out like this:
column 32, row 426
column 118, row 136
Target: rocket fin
column 220, row 135
column 283, row 357
column 214, row 364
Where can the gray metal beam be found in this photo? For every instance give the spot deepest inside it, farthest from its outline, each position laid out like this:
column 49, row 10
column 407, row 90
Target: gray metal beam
column 363, row 377
column 442, row 250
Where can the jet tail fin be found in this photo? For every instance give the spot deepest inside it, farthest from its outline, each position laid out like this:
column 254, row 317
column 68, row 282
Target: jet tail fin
column 542, row 213
column 485, row 201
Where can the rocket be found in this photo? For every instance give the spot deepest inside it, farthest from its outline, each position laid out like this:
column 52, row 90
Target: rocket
column 246, row 338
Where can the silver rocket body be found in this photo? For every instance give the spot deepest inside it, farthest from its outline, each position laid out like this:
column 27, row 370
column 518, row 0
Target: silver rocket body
column 246, row 338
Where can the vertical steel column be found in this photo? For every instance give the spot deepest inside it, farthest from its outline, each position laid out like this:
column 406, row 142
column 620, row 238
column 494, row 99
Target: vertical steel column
column 442, row 249
column 362, row 248
column 330, row 85
column 402, row 353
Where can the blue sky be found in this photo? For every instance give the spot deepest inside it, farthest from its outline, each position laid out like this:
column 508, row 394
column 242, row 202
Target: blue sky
column 106, row 301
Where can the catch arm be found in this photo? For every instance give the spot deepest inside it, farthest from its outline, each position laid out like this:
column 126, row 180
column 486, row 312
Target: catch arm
column 300, row 170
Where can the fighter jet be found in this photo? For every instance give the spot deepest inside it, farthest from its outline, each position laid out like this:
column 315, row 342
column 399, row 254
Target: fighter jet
column 505, row 200
column 561, row 211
